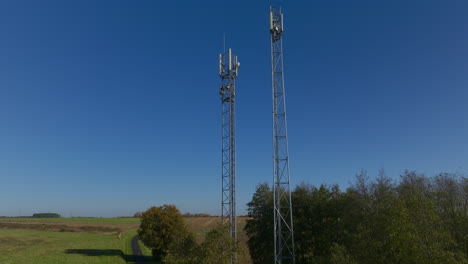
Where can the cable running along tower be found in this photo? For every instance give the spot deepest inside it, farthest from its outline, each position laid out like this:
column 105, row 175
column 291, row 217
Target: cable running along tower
column 283, row 224
column 228, row 67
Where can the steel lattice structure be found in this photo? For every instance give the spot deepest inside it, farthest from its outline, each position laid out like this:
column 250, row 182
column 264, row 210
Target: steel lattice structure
column 283, row 224
column 228, row 67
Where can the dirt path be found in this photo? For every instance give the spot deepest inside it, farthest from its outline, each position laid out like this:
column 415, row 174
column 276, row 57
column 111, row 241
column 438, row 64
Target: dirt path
column 139, row 259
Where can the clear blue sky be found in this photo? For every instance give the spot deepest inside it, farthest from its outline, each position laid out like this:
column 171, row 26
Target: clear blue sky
column 109, row 107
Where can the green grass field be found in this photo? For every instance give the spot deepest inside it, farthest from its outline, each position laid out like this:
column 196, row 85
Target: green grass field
column 26, row 246
column 67, row 240
column 86, row 240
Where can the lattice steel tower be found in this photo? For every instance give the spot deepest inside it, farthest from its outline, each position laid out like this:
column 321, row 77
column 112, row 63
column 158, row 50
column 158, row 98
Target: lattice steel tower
column 284, row 238
column 228, row 67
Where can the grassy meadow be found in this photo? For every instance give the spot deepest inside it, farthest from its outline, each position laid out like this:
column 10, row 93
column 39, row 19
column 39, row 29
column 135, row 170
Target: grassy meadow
column 66, row 240
column 27, row 246
column 86, row 240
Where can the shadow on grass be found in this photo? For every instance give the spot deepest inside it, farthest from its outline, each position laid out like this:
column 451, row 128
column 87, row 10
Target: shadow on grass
column 111, row 252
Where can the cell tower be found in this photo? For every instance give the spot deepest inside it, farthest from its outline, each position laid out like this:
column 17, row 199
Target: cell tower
column 284, row 237
column 228, row 67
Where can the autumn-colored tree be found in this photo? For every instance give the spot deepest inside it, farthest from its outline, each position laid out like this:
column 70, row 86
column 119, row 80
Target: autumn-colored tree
column 160, row 227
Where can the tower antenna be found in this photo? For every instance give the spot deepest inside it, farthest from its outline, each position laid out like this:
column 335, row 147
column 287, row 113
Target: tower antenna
column 283, row 224
column 228, row 68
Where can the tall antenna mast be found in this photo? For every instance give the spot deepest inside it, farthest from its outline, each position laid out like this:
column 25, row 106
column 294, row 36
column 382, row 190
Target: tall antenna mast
column 228, row 67
column 284, row 235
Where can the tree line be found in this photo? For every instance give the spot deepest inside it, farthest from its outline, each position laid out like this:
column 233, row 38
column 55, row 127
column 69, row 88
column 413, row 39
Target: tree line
column 46, row 215
column 417, row 219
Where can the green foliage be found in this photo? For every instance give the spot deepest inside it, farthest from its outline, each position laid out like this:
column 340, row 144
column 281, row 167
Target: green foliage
column 183, row 250
column 451, row 199
column 384, row 234
column 46, row 215
column 340, row 255
column 218, row 247
column 417, row 220
column 318, row 214
column 160, row 227
column 259, row 228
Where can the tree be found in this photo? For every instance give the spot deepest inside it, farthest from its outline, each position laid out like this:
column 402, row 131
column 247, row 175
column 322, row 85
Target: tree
column 384, row 233
column 160, row 227
column 318, row 224
column 259, row 227
column 451, row 199
column 340, row 255
column 218, row 247
column 414, row 221
column 433, row 242
column 183, row 250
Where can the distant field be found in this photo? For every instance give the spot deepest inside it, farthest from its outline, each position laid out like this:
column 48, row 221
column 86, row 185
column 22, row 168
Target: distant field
column 86, row 240
column 79, row 225
column 116, row 220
